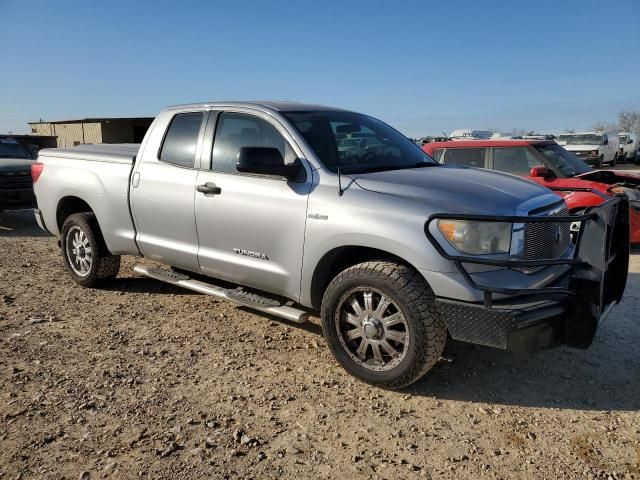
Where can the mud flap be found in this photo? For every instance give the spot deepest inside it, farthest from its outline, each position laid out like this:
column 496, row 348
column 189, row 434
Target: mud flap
column 603, row 245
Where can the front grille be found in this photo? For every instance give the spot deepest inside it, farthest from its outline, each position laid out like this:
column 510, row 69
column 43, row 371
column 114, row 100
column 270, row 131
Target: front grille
column 15, row 180
column 547, row 240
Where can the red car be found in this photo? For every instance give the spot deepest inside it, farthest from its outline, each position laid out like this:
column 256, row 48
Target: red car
column 547, row 163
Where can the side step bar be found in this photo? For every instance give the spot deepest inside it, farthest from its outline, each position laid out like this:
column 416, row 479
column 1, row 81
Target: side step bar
column 238, row 296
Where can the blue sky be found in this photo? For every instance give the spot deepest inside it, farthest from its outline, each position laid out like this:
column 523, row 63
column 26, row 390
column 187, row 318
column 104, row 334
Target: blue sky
column 425, row 67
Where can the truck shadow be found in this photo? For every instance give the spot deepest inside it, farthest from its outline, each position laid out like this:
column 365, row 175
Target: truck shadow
column 20, row 223
column 604, row 377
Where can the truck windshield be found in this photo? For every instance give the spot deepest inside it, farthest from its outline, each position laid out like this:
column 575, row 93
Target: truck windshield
column 562, row 161
column 356, row 143
column 588, row 139
column 9, row 148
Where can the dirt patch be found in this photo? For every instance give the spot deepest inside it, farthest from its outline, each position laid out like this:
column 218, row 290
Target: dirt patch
column 144, row 380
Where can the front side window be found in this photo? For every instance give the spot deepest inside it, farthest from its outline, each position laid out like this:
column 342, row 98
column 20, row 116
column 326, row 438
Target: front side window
column 179, row 146
column 437, row 155
column 236, row 130
column 356, row 143
column 516, row 160
column 468, row 157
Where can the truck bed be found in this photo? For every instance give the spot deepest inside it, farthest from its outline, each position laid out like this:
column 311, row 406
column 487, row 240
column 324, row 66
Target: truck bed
column 97, row 175
column 111, row 153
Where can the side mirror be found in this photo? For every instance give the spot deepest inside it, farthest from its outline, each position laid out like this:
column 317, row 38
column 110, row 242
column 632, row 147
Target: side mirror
column 542, row 172
column 630, row 140
column 605, row 141
column 267, row 161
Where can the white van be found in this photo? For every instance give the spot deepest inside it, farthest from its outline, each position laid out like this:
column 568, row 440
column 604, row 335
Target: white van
column 628, row 146
column 595, row 148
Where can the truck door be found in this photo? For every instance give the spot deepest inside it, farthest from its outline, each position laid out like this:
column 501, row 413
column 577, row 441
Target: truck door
column 250, row 227
column 163, row 189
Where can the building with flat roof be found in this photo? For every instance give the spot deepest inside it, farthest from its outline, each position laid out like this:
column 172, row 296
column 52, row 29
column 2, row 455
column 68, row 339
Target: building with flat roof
column 93, row 130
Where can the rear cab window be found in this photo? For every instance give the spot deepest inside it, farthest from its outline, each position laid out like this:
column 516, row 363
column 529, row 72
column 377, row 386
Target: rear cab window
column 468, row 157
column 179, row 145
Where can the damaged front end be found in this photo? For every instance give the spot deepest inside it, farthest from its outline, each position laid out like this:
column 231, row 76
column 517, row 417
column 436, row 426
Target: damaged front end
column 567, row 312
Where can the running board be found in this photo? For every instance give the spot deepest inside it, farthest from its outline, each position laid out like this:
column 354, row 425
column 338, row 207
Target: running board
column 238, row 296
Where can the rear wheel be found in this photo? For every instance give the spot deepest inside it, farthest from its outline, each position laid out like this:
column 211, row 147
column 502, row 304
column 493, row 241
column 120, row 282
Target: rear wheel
column 615, row 160
column 84, row 251
column 381, row 323
column 600, row 161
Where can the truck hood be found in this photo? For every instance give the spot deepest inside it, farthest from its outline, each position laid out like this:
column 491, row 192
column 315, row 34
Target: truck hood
column 455, row 189
column 15, row 164
column 581, row 148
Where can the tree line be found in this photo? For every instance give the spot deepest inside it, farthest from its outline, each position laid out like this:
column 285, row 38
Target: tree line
column 628, row 121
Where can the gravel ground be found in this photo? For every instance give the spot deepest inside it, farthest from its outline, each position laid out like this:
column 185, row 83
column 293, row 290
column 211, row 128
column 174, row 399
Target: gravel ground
column 145, row 380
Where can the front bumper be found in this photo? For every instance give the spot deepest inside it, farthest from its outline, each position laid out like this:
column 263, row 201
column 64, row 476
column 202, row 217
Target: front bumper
column 586, row 157
column 567, row 312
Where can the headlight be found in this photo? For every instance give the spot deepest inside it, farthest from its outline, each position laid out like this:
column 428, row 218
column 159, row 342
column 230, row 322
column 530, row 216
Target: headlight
column 477, row 238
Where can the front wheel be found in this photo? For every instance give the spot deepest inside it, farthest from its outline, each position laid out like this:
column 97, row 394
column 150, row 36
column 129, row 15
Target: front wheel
column 84, row 251
column 381, row 323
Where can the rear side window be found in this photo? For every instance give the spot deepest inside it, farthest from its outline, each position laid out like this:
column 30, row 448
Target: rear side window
column 469, row 157
column 517, row 160
column 179, row 146
column 235, row 131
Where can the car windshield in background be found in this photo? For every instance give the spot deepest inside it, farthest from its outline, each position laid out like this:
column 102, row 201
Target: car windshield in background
column 11, row 149
column 589, row 139
column 560, row 159
column 623, row 139
column 356, row 143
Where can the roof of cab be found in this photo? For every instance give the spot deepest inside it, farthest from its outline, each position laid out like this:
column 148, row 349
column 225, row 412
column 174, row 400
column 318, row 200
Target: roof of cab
column 278, row 105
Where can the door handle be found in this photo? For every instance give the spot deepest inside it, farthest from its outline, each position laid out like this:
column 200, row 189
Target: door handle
column 209, row 188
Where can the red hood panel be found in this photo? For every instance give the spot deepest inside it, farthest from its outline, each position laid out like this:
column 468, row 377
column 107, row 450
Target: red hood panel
column 611, row 177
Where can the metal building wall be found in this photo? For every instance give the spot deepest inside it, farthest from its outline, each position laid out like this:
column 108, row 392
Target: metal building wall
column 70, row 134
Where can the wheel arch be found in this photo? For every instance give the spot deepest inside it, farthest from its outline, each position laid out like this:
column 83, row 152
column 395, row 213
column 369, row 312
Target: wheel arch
column 340, row 258
column 69, row 205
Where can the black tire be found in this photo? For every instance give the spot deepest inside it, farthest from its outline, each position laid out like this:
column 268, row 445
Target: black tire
column 102, row 265
column 615, row 160
column 411, row 296
column 600, row 161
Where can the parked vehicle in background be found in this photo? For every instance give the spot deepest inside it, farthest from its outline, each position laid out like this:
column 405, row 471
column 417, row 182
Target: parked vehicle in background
column 628, row 146
column 468, row 134
column 16, row 186
column 386, row 244
column 562, row 138
column 550, row 165
column 595, row 148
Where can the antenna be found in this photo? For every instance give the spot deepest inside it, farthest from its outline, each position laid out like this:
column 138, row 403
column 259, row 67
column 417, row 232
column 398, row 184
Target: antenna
column 340, row 191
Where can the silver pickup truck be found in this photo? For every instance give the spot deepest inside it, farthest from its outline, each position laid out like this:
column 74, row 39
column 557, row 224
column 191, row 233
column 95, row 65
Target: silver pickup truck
column 292, row 209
